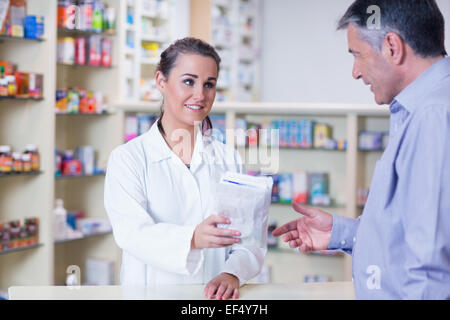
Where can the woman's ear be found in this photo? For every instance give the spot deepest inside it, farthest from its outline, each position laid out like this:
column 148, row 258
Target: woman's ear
column 160, row 81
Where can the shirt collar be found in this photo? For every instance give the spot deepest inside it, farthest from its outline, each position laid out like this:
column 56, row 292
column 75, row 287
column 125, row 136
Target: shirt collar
column 159, row 150
column 410, row 97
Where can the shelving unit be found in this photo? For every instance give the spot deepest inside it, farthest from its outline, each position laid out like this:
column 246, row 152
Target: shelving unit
column 22, row 122
column 33, row 121
column 85, row 192
column 152, row 22
column 233, row 28
column 348, row 169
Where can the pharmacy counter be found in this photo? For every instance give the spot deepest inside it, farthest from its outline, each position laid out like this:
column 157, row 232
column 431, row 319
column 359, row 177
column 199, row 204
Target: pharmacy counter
column 306, row 291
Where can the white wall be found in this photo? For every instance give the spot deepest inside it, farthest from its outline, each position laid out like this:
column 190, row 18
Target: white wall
column 304, row 58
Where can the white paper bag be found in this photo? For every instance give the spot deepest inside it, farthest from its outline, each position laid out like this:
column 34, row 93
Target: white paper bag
column 245, row 200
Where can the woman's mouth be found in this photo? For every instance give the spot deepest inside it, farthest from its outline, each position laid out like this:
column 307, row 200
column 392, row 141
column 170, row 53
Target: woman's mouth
column 193, row 107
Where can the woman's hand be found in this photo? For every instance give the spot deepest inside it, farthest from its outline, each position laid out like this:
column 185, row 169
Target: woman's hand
column 224, row 286
column 208, row 235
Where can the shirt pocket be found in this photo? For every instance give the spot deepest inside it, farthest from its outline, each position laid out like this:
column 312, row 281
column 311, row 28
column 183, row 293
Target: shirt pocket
column 383, row 185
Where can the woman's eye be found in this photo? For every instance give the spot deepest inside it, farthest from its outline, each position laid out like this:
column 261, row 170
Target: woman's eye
column 188, row 82
column 209, row 85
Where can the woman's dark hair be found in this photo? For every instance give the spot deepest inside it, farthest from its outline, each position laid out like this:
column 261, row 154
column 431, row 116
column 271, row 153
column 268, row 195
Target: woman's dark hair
column 419, row 22
column 169, row 57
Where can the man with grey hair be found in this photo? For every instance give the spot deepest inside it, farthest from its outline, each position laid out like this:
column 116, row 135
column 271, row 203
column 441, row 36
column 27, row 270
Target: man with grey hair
column 400, row 245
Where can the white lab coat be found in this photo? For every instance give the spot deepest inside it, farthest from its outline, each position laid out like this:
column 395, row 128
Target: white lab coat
column 154, row 203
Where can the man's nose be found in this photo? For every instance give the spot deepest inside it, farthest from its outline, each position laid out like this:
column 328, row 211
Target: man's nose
column 355, row 72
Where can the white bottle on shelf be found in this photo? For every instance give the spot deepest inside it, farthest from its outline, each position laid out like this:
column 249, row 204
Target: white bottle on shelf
column 60, row 216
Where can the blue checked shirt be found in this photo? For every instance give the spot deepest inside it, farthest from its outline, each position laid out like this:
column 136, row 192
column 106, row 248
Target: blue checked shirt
column 400, row 245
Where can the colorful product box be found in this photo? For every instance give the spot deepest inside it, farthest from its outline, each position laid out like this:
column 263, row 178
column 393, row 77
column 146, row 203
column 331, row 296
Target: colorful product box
column 307, row 134
column 275, row 188
column 284, row 134
column 17, row 12
column 34, row 27
column 322, row 132
column 285, row 187
column 275, row 134
column 292, row 128
column 72, row 167
column 319, row 190
column 300, row 186
column 241, row 132
column 86, row 155
column 252, row 132
column 36, row 86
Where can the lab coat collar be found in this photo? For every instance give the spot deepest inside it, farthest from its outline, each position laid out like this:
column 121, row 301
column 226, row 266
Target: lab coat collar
column 159, row 150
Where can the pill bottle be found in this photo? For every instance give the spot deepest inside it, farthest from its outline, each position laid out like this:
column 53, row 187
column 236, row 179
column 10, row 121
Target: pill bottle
column 3, row 87
column 26, row 162
column 5, row 159
column 34, row 156
column 17, row 162
column 12, row 87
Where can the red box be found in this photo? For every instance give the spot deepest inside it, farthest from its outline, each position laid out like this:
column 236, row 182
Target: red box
column 71, row 167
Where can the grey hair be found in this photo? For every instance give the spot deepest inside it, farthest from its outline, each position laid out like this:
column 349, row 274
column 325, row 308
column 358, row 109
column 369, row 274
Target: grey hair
column 419, row 23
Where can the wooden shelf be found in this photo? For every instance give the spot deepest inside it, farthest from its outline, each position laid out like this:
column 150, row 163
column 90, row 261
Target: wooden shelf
column 77, row 32
column 84, row 114
column 6, row 38
column 296, row 252
column 84, row 66
column 6, row 251
column 331, row 206
column 97, row 234
column 62, row 177
column 21, row 99
column 22, row 174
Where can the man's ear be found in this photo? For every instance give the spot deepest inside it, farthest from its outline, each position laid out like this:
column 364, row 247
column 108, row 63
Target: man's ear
column 160, row 81
column 393, row 48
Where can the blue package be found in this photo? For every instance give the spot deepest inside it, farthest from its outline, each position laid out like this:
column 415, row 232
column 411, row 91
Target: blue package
column 34, row 27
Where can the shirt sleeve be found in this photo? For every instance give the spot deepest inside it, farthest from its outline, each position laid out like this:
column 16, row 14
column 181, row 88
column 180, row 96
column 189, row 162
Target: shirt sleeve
column 164, row 245
column 343, row 234
column 424, row 170
column 245, row 262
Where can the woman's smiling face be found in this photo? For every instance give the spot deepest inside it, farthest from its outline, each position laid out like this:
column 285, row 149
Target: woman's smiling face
column 189, row 91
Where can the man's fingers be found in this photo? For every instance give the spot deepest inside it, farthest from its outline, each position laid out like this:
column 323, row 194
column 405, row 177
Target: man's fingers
column 295, row 243
column 305, row 210
column 291, row 235
column 292, row 225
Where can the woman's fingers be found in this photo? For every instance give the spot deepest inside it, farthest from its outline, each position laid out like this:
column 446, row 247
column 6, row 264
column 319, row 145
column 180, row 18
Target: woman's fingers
column 236, row 293
column 210, row 289
column 217, row 219
column 218, row 242
column 220, row 291
column 225, row 232
column 228, row 293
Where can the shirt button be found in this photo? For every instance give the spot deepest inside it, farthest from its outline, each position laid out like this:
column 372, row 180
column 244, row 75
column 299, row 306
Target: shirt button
column 342, row 242
column 354, row 239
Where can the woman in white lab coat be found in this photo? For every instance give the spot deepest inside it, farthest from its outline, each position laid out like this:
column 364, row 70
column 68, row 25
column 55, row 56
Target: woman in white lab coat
column 158, row 188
